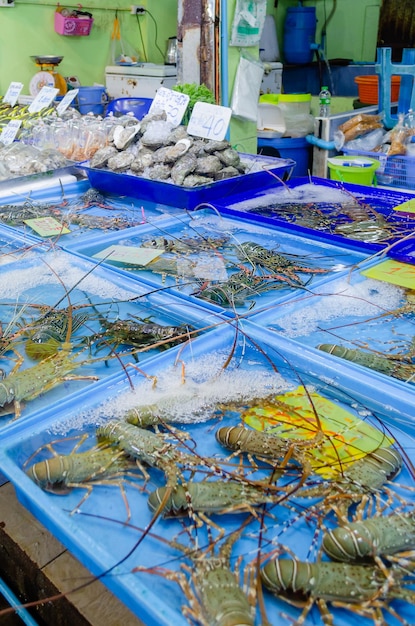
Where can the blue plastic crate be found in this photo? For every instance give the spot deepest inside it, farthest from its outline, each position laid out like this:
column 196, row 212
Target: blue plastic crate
column 80, row 210
column 206, row 264
column 326, row 219
column 394, row 171
column 98, row 535
column 358, row 313
column 61, row 281
column 190, row 198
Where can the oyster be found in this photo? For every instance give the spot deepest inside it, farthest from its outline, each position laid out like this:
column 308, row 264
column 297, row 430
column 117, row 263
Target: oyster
column 227, row 172
column 160, row 171
column 124, row 137
column 216, row 146
column 208, row 165
column 178, row 133
column 194, row 180
column 229, row 156
column 101, row 156
column 159, row 155
column 143, row 159
column 121, row 161
column 177, row 150
column 198, row 148
column 184, row 166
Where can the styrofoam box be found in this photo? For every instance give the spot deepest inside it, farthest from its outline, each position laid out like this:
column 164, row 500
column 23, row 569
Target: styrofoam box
column 55, row 279
column 238, row 360
column 206, row 260
column 317, row 216
column 97, row 212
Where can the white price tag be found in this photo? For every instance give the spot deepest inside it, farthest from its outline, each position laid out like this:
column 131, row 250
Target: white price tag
column 209, row 121
column 66, row 101
column 9, row 132
column 13, row 93
column 43, row 99
column 172, row 102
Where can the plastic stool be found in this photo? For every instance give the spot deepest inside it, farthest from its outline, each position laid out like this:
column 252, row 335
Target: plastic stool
column 385, row 68
column 138, row 106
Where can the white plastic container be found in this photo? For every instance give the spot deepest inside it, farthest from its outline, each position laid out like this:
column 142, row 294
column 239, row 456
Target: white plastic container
column 270, row 120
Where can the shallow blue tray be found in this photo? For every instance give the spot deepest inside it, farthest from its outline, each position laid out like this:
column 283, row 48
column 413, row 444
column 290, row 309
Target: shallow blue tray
column 262, row 206
column 356, row 312
column 60, row 280
column 237, row 354
column 404, row 251
column 190, row 198
column 82, row 214
column 220, row 262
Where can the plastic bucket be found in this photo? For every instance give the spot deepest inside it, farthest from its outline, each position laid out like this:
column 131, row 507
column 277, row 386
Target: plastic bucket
column 298, row 149
column 368, row 88
column 91, row 100
column 353, row 169
column 299, row 33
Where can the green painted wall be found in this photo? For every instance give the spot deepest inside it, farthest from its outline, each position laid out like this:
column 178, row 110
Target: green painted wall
column 28, row 29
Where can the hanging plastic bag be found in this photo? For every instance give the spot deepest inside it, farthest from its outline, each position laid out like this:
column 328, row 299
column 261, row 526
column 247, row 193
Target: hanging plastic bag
column 122, row 53
column 248, row 22
column 245, row 95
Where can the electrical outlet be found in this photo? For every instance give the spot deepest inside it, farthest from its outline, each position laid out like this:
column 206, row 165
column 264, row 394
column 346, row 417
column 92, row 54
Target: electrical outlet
column 137, row 9
column 7, row 3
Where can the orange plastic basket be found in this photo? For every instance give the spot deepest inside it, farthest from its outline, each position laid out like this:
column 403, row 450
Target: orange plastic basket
column 368, row 88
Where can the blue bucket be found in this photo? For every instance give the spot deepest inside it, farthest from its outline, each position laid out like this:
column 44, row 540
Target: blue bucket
column 91, row 100
column 299, row 33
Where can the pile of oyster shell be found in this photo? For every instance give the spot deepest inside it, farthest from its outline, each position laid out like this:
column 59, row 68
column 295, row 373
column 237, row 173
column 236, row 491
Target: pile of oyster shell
column 153, row 148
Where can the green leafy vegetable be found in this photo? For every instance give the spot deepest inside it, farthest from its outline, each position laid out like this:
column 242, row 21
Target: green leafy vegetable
column 196, row 93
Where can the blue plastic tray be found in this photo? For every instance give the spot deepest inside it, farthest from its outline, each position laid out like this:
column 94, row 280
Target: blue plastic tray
column 356, row 312
column 216, row 262
column 232, row 358
column 83, row 214
column 325, row 217
column 16, row 246
column 190, row 198
column 404, row 251
column 66, row 282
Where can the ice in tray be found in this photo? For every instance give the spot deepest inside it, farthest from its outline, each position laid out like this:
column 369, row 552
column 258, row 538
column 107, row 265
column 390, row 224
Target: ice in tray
column 225, row 264
column 261, row 509
column 364, row 320
column 68, row 323
column 75, row 212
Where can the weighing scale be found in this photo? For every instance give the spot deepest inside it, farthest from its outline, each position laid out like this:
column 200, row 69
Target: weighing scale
column 47, row 76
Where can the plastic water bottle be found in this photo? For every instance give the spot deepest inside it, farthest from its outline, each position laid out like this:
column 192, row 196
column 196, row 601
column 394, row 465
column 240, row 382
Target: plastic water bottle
column 325, row 100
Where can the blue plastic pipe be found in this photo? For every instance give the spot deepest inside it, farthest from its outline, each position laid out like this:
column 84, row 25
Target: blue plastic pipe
column 8, row 594
column 320, row 143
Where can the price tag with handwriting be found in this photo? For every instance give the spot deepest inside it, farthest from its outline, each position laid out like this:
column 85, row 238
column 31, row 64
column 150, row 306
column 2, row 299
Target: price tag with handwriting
column 129, row 255
column 173, row 103
column 9, row 132
column 209, row 121
column 43, row 99
column 47, row 226
column 66, row 101
column 13, row 93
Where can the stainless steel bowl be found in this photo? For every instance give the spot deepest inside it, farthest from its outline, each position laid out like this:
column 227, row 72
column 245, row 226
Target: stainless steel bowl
column 46, row 60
